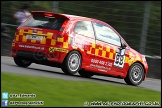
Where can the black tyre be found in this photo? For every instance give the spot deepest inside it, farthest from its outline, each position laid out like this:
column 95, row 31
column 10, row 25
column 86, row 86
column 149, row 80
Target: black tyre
column 85, row 74
column 22, row 62
column 135, row 75
column 72, row 63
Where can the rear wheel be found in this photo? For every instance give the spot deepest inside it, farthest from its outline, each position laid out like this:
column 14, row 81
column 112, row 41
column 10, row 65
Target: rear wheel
column 135, row 75
column 85, row 74
column 22, row 62
column 72, row 63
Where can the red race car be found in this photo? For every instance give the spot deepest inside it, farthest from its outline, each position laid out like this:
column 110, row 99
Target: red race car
column 77, row 44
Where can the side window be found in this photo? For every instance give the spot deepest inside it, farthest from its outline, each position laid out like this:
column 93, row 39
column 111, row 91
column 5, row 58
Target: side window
column 106, row 34
column 84, row 28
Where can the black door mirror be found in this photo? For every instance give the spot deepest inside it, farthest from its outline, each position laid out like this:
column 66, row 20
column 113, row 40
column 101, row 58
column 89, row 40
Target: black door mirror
column 123, row 46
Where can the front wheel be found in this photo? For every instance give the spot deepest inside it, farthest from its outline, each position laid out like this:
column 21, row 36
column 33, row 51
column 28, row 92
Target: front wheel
column 72, row 63
column 22, row 62
column 135, row 75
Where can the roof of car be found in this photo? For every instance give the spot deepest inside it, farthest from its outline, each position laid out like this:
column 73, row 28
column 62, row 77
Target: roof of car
column 81, row 18
column 75, row 17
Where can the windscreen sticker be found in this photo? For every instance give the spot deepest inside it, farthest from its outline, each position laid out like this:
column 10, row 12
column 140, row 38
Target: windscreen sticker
column 119, row 58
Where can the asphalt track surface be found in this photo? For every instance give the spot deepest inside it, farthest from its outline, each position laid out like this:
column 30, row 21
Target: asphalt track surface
column 8, row 66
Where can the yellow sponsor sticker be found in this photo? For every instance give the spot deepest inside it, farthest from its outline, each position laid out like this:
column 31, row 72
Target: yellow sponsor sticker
column 52, row 49
column 61, row 50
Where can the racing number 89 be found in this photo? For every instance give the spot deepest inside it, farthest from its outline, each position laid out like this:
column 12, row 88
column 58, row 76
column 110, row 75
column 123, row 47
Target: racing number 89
column 119, row 59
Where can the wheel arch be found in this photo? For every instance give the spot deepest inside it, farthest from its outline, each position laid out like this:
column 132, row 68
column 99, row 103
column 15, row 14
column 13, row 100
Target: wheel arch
column 141, row 65
column 77, row 51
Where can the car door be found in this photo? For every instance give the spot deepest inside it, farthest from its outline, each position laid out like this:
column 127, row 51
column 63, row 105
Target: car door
column 108, row 49
column 84, row 40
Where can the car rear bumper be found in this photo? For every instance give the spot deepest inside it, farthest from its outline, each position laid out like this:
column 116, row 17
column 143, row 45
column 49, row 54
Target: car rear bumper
column 39, row 52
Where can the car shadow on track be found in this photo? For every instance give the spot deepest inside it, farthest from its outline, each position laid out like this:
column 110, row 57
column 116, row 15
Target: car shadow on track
column 61, row 73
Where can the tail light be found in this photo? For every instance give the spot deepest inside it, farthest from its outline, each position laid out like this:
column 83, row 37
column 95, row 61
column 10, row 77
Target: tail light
column 59, row 35
column 63, row 26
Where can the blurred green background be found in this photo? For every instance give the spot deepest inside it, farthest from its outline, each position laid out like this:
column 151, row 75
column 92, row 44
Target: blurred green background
column 129, row 18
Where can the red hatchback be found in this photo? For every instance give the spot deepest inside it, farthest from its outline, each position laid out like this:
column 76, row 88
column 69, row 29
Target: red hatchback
column 77, row 44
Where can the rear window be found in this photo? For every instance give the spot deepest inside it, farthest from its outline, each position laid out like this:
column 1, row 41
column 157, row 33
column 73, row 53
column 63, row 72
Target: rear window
column 45, row 22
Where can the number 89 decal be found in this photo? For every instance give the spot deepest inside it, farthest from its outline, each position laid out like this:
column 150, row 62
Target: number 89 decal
column 119, row 58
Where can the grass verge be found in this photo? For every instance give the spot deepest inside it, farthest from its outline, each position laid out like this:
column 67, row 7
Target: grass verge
column 59, row 93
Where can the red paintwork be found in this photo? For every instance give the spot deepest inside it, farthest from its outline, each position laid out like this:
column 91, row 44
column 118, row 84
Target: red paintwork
column 83, row 48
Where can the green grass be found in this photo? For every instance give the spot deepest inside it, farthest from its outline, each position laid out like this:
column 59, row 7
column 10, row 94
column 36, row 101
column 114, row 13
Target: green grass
column 58, row 92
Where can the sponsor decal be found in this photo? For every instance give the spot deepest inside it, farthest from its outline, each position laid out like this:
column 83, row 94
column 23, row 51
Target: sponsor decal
column 101, row 64
column 31, row 47
column 52, row 49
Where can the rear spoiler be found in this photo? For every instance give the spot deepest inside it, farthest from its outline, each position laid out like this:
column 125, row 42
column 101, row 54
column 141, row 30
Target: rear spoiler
column 48, row 14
